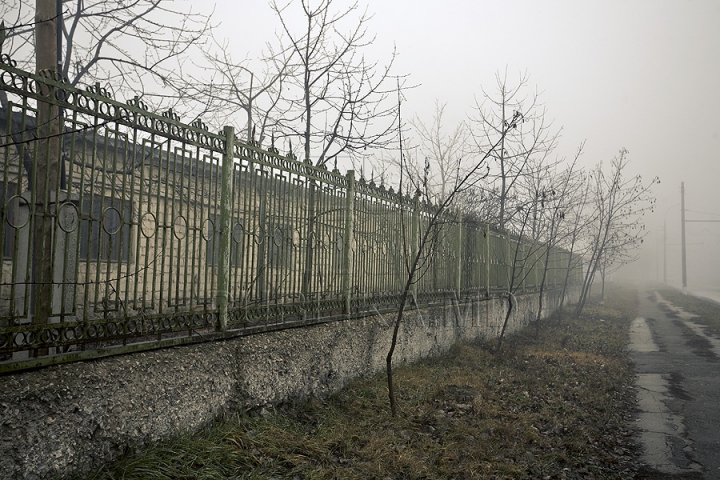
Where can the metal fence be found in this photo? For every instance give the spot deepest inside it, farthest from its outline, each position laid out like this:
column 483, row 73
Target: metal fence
column 137, row 231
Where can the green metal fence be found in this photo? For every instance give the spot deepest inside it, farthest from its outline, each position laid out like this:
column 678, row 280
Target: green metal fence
column 138, row 231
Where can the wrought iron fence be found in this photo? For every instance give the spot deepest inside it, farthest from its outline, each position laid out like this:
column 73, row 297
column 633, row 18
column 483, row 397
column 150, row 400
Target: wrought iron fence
column 123, row 230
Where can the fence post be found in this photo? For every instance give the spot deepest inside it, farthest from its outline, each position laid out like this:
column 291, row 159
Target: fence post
column 261, row 190
column 525, row 258
column 508, row 255
column 458, row 279
column 226, row 197
column 310, row 243
column 348, row 238
column 414, row 236
column 488, row 261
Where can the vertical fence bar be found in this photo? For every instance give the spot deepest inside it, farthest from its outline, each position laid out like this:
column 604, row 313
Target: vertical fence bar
column 226, row 195
column 307, row 289
column 347, row 239
column 459, row 252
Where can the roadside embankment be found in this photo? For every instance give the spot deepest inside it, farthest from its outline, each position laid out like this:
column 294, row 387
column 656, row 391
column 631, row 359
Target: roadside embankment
column 67, row 419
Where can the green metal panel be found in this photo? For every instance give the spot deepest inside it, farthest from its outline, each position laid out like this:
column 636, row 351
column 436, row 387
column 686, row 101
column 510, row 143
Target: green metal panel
column 164, row 233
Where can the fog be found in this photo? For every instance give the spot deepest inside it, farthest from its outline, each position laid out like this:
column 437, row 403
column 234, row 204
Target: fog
column 636, row 74
column 640, row 74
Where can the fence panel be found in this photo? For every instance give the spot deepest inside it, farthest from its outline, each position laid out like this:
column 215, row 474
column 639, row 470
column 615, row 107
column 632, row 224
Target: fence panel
column 127, row 230
column 117, row 212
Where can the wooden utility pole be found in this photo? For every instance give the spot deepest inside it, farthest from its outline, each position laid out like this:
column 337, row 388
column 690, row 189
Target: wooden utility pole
column 44, row 175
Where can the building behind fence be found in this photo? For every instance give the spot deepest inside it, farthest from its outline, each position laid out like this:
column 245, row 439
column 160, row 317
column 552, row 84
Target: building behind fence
column 160, row 233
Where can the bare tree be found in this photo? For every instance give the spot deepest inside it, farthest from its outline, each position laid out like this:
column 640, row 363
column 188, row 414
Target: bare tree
column 533, row 138
column 574, row 230
column 523, row 257
column 336, row 101
column 554, row 196
column 96, row 43
column 444, row 151
column 100, row 41
column 220, row 86
column 622, row 248
column 617, row 228
column 428, row 234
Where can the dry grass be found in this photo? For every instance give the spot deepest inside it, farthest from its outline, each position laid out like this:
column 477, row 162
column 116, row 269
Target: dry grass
column 556, row 407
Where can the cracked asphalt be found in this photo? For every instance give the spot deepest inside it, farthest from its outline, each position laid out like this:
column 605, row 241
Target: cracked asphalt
column 677, row 367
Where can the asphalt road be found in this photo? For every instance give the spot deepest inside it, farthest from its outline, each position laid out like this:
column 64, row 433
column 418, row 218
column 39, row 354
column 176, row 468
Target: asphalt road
column 678, row 380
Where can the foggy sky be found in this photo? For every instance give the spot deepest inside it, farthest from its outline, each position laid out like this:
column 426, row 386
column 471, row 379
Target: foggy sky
column 639, row 74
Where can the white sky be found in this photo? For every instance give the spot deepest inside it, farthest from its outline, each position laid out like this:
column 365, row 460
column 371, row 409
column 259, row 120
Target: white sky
column 639, row 74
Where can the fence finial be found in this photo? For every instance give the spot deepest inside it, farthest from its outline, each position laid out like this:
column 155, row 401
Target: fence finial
column 2, row 35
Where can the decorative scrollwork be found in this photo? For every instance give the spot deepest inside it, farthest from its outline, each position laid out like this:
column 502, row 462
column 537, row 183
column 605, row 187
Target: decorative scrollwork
column 380, row 192
column 199, row 124
column 169, row 113
column 97, row 89
column 5, row 58
column 137, row 102
column 52, row 74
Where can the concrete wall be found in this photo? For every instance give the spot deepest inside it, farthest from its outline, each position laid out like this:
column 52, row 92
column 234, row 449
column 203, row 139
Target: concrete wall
column 68, row 419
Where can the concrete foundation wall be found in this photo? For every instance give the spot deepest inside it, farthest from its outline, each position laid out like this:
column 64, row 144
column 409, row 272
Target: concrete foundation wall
column 68, row 419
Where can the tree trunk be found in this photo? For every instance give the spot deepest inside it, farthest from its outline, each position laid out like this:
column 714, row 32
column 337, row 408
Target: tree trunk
column 505, row 323
column 388, row 360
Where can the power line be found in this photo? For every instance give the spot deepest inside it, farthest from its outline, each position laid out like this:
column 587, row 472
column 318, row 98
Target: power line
column 23, row 25
column 703, row 213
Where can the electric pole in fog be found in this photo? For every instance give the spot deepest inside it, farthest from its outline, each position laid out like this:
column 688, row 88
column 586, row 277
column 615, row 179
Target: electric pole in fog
column 682, row 230
column 682, row 236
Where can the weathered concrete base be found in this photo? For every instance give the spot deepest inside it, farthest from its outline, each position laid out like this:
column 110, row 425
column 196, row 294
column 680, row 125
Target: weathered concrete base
column 68, row 419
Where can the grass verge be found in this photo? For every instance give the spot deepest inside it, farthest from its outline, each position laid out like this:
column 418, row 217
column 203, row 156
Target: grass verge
column 707, row 311
column 556, row 407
